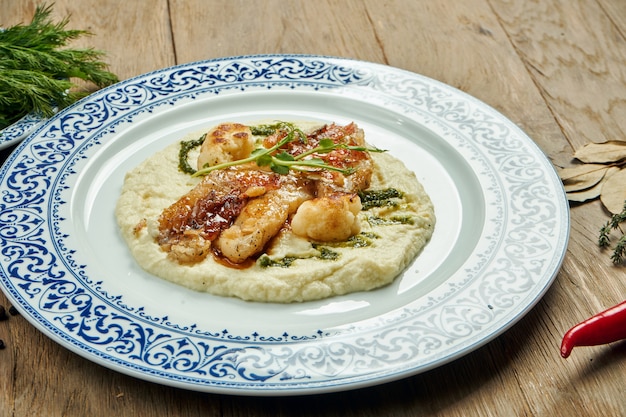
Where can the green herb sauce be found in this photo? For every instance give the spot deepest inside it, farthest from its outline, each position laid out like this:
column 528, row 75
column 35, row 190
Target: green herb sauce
column 183, row 154
column 380, row 221
column 326, row 253
column 362, row 240
column 265, row 262
column 379, row 198
column 266, row 130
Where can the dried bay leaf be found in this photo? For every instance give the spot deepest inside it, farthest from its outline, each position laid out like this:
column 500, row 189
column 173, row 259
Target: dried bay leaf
column 580, row 195
column 582, row 177
column 613, row 192
column 602, row 153
column 585, row 195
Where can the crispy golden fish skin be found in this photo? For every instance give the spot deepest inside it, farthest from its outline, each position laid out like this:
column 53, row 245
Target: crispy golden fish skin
column 187, row 227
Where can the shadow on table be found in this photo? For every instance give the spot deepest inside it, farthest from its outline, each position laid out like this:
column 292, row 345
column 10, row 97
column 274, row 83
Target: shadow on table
column 426, row 393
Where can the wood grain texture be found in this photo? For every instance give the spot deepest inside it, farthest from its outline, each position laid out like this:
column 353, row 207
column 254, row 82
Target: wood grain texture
column 576, row 53
column 206, row 30
column 463, row 44
column 556, row 68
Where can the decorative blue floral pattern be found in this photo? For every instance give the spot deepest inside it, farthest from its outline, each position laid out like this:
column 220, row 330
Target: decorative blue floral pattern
column 19, row 130
column 513, row 265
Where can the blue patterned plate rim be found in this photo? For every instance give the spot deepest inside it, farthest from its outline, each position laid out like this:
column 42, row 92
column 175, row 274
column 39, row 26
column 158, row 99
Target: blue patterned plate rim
column 502, row 231
column 18, row 131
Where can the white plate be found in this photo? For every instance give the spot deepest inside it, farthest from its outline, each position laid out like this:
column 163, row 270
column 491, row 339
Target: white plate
column 19, row 130
column 501, row 234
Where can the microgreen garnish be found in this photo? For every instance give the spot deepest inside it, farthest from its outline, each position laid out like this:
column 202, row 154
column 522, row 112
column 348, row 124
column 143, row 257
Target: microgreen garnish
column 282, row 162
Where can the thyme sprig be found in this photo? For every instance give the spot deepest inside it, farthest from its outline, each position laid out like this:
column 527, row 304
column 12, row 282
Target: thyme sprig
column 282, row 162
column 614, row 223
column 36, row 67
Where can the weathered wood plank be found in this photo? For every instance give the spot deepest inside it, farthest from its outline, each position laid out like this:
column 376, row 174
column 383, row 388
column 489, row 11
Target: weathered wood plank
column 205, row 30
column 576, row 53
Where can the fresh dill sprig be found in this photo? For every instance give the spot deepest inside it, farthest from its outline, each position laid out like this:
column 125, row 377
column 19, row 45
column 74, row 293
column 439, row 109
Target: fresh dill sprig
column 36, row 67
column 283, row 162
column 614, row 223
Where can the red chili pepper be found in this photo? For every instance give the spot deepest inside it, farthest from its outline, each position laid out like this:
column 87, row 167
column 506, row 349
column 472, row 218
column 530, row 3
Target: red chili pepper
column 605, row 327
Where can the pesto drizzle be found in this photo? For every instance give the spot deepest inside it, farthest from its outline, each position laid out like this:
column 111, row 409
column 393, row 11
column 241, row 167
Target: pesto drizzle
column 326, row 253
column 379, row 198
column 265, row 261
column 183, row 154
column 380, row 221
column 265, row 130
column 361, row 240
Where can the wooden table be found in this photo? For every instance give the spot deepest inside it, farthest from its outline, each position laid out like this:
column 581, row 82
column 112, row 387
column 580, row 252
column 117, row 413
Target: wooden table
column 554, row 67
